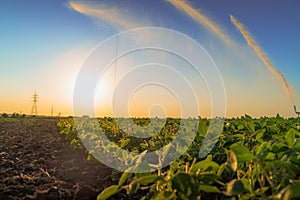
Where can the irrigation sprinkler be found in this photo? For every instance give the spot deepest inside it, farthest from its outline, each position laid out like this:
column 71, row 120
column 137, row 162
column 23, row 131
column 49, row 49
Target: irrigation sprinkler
column 298, row 113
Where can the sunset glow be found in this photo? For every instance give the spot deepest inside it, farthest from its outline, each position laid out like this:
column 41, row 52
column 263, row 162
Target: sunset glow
column 45, row 45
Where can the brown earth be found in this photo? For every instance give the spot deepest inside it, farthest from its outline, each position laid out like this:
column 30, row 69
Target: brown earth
column 38, row 163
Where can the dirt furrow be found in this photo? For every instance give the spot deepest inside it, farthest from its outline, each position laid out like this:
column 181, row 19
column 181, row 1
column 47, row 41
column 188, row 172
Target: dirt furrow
column 37, row 163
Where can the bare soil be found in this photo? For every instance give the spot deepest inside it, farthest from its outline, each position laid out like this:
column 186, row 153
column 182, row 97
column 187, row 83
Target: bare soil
column 38, row 163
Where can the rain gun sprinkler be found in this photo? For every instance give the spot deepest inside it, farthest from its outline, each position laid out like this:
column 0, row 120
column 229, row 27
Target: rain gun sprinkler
column 298, row 113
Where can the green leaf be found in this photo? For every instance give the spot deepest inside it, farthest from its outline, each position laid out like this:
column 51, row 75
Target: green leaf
column 232, row 160
column 279, row 147
column 239, row 137
column 144, row 146
column 206, row 165
column 124, row 143
column 259, row 135
column 174, row 165
column 270, row 156
column 240, row 127
column 145, row 180
column 151, row 143
column 221, row 170
column 234, row 187
column 166, row 195
column 202, row 128
column 185, row 184
column 251, row 127
column 123, row 178
column 297, row 144
column 297, row 133
column 209, row 188
column 108, row 192
column 248, row 118
column 261, row 149
column 261, row 191
column 290, row 137
column 241, row 152
column 247, row 185
column 293, row 190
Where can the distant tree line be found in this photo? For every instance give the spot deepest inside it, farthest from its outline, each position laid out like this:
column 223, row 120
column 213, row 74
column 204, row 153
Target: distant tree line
column 14, row 115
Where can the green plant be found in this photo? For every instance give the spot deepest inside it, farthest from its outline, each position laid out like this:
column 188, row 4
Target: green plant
column 253, row 159
column 4, row 115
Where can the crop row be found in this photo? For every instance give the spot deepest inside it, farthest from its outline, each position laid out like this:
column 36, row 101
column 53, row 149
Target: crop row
column 251, row 158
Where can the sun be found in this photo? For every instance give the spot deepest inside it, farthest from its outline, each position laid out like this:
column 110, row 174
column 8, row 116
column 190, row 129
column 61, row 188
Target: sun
column 104, row 95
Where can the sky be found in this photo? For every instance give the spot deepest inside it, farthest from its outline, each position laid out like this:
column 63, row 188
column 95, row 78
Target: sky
column 45, row 44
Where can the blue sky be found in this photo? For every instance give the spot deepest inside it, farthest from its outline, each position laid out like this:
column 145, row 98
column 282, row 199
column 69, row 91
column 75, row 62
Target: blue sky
column 41, row 40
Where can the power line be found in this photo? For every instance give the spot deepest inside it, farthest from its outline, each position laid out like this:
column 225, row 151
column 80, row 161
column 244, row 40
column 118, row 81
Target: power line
column 115, row 70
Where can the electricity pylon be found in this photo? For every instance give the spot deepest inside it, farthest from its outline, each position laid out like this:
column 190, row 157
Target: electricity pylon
column 34, row 109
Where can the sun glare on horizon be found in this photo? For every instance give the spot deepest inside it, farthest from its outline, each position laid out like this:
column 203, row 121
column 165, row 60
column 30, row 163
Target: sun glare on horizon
column 45, row 49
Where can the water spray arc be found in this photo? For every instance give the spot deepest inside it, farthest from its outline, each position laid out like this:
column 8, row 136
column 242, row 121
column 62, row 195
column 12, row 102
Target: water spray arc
column 182, row 5
column 251, row 42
